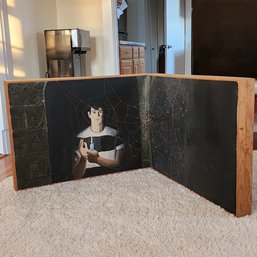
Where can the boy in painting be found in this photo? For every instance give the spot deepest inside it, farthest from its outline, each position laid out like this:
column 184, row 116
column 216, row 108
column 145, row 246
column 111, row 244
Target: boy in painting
column 99, row 150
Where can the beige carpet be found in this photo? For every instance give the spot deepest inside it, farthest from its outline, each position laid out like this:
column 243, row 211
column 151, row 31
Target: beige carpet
column 138, row 213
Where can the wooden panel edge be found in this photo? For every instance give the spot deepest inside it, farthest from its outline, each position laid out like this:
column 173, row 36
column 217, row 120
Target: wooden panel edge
column 8, row 112
column 244, row 146
column 175, row 76
column 75, row 78
column 198, row 77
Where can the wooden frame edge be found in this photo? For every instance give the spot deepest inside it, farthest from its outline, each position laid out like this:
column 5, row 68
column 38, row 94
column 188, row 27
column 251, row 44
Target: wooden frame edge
column 244, row 138
column 176, row 76
column 244, row 146
column 10, row 134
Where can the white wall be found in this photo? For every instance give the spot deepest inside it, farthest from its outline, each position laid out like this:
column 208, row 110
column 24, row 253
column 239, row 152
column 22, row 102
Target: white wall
column 45, row 12
column 22, row 47
column 4, row 147
column 97, row 17
column 27, row 21
column 110, row 37
column 4, row 141
column 29, row 18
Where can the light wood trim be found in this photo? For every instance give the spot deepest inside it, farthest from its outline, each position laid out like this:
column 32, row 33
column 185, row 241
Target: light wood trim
column 255, row 104
column 255, row 141
column 10, row 135
column 244, row 150
column 178, row 76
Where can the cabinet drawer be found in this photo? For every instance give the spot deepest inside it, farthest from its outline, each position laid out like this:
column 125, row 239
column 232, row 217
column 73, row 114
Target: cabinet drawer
column 141, row 69
column 126, row 63
column 135, row 51
column 135, row 62
column 141, row 66
column 126, row 66
column 126, row 70
column 141, row 52
column 136, row 66
column 125, row 52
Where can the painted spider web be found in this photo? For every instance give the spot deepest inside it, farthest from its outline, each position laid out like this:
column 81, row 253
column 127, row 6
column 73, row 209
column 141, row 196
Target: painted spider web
column 167, row 123
column 121, row 110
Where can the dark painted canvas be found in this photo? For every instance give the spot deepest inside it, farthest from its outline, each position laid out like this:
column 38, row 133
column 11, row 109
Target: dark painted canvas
column 193, row 135
column 185, row 128
column 53, row 126
column 99, row 115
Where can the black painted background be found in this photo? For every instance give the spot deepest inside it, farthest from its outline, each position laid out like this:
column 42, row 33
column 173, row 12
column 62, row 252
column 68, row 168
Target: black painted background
column 66, row 103
column 193, row 135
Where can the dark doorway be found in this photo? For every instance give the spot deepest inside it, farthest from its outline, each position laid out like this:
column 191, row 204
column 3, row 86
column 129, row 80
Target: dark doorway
column 224, row 37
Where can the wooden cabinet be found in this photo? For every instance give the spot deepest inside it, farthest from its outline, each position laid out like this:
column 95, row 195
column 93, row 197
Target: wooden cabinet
column 126, row 66
column 126, row 52
column 132, row 59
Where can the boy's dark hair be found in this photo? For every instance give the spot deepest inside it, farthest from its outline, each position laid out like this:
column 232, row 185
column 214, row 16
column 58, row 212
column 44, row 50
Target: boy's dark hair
column 96, row 107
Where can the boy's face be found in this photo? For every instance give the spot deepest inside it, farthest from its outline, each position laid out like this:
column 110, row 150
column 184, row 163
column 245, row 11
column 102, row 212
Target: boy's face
column 96, row 116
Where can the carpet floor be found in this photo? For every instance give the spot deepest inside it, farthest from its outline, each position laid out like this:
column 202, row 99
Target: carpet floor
column 136, row 213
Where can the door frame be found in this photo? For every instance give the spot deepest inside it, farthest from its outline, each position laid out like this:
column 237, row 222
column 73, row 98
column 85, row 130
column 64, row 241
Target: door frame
column 187, row 12
column 155, row 23
column 110, row 35
column 6, row 64
column 188, row 37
